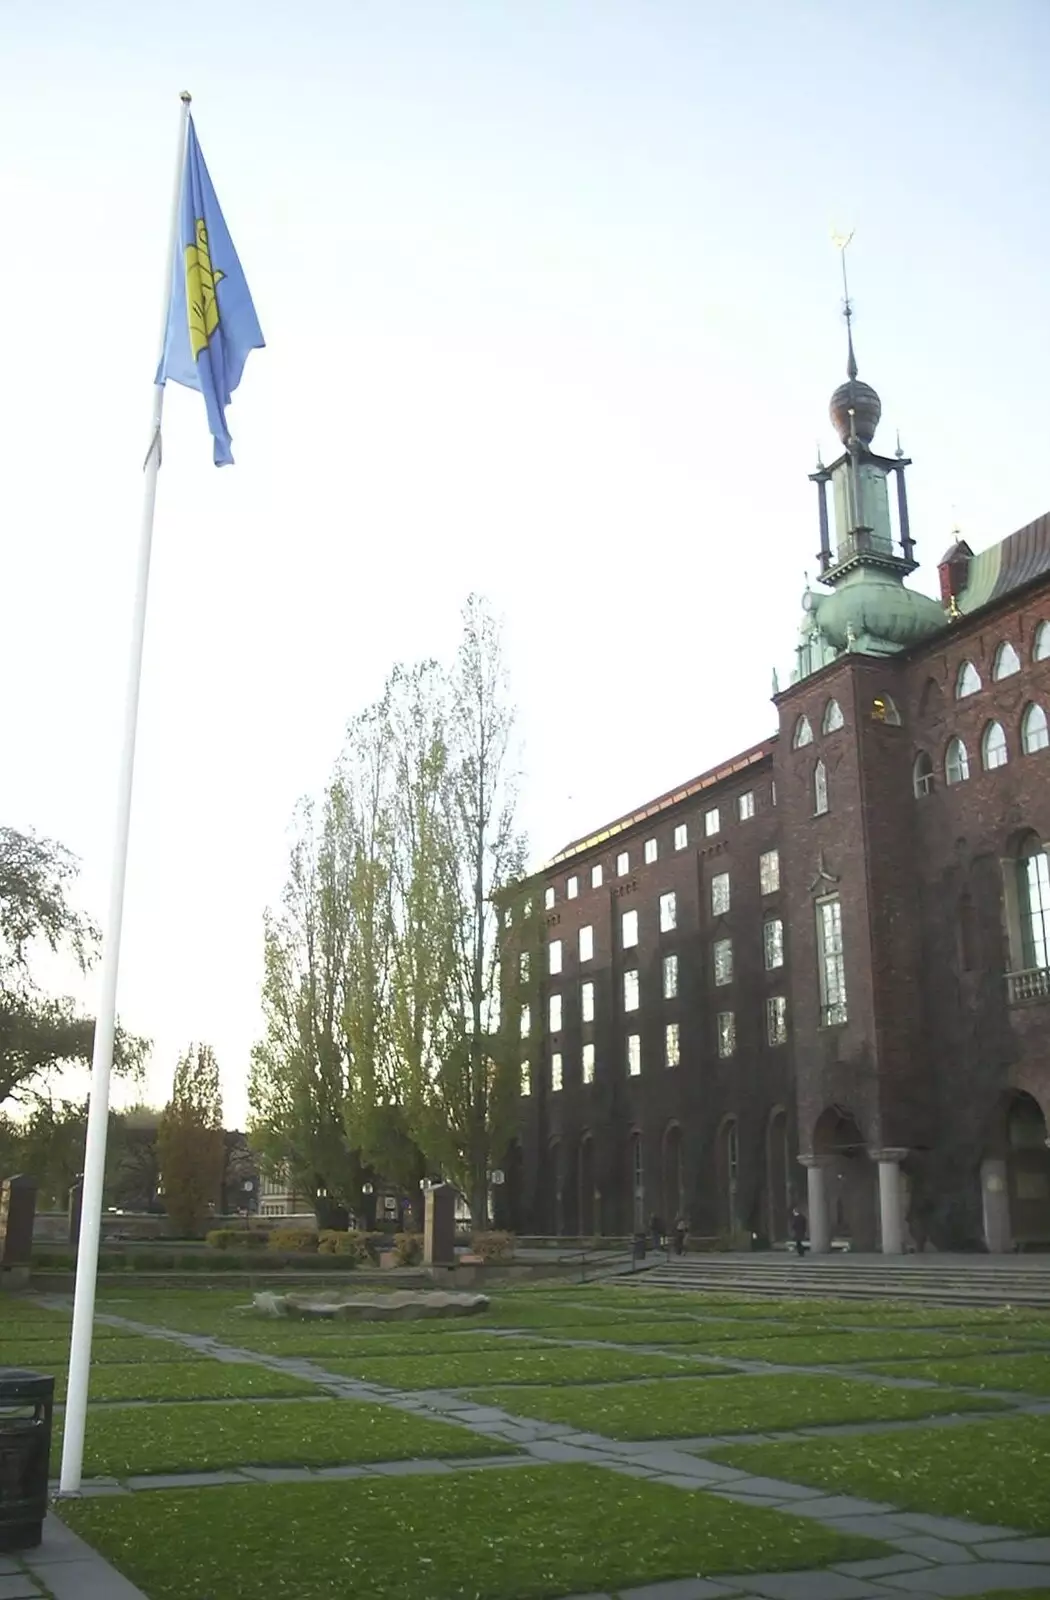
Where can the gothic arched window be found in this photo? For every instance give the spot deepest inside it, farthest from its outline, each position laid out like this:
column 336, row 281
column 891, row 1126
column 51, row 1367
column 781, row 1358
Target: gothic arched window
column 956, row 763
column 833, row 718
column 883, row 709
column 803, row 733
column 1006, row 662
column 922, row 774
column 967, row 681
column 1034, row 733
column 1041, row 642
column 820, row 788
column 993, row 747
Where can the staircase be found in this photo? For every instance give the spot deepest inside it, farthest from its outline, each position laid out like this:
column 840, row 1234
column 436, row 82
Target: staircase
column 927, row 1279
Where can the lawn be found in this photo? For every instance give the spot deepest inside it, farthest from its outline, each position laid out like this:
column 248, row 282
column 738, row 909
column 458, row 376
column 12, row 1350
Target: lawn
column 324, row 1341
column 126, row 1440
column 733, row 1404
column 523, row 1534
column 1028, row 1374
column 995, row 1472
column 451, row 1370
column 199, row 1379
column 52, row 1355
column 827, row 1350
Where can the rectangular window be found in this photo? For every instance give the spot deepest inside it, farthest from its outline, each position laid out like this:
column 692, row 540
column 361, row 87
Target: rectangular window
column 723, row 957
column 554, row 957
column 681, row 836
column 726, row 1033
column 572, row 888
column 720, row 894
column 526, row 1022
column 629, row 930
column 554, row 1013
column 586, row 943
column 769, row 871
column 711, row 821
column 548, row 896
column 668, row 913
column 671, row 1055
column 773, row 943
column 776, row 1019
column 832, row 962
column 587, row 1002
column 634, row 1054
column 623, row 864
column 526, row 1078
column 670, row 977
column 630, row 990
column 556, row 1072
column 773, row 791
column 746, row 805
column 820, row 789
column 588, row 1063
column 596, row 876
column 650, row 850
column 1034, row 884
column 523, row 966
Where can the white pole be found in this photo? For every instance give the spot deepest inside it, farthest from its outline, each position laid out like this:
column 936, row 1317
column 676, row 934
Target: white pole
column 102, row 1058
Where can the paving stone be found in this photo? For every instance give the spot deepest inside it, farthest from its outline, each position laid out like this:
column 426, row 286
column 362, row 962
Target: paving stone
column 954, row 1528
column 776, row 1489
column 677, row 1589
column 1015, row 1550
column 554, row 1450
column 630, row 1469
column 809, row 1586
column 184, row 1480
column 18, row 1587
column 743, row 1499
column 408, row 1469
column 340, row 1472
column 978, row 1578
column 8, row 1566
column 277, row 1474
column 841, row 1505
column 943, row 1550
column 58, row 1544
column 91, row 1579
column 876, row 1527
column 671, row 1460
column 880, row 1567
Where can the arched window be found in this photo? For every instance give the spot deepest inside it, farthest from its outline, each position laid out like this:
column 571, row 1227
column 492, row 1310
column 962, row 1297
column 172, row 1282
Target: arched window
column 1034, row 733
column 993, row 747
column 1041, row 643
column 884, row 710
column 1006, row 662
column 956, row 763
column 820, row 788
column 833, row 718
column 922, row 774
column 1033, row 895
column 968, row 935
column 967, row 681
column 803, row 734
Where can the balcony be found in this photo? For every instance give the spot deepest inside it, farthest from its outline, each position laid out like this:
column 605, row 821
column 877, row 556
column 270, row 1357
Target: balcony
column 1023, row 987
column 833, row 1016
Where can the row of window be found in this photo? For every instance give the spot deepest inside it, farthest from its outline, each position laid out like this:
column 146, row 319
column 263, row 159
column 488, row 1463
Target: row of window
column 995, row 752
column 831, row 722
column 1005, row 663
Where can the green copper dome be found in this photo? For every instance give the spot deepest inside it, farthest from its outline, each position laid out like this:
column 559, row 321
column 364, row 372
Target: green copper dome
column 873, row 611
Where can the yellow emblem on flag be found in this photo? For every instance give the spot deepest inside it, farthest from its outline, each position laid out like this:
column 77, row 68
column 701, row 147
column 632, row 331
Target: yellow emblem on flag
column 201, row 305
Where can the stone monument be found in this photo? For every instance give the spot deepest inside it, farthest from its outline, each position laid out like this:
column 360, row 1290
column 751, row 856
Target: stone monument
column 439, row 1226
column 17, row 1212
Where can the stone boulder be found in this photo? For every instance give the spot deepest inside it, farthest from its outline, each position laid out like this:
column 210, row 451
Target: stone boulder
column 406, row 1306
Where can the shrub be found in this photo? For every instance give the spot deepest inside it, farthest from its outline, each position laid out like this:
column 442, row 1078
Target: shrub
column 328, row 1241
column 353, row 1244
column 221, row 1238
column 294, row 1240
column 408, row 1249
column 495, row 1246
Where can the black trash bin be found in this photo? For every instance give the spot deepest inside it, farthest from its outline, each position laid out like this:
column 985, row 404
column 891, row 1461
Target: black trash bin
column 26, row 1405
column 640, row 1242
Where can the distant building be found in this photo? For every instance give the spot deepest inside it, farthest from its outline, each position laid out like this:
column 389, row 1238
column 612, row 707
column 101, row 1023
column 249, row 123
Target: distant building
column 279, row 1198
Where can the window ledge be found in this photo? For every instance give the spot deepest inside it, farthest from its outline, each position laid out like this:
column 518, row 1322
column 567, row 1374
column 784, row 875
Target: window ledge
column 833, row 1016
column 1024, row 988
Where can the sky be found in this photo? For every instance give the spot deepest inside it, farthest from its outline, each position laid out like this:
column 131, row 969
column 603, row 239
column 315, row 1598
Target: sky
column 552, row 314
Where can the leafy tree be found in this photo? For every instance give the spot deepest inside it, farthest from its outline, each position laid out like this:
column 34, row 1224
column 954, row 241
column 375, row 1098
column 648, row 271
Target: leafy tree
column 190, row 1143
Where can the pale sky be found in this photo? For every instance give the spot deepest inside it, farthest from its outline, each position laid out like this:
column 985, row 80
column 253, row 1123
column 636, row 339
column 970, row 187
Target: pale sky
column 552, row 314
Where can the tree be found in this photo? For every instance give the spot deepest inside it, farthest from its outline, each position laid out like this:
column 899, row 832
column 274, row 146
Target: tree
column 40, row 1032
column 190, row 1144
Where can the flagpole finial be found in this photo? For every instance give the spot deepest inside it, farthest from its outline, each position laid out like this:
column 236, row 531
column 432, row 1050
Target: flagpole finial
column 185, row 97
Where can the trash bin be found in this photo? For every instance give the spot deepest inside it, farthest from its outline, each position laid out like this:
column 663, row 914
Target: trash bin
column 26, row 1405
column 640, row 1241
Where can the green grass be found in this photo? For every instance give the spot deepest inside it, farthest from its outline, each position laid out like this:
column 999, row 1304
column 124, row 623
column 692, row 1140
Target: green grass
column 188, row 1380
column 715, row 1405
column 528, row 1533
column 52, row 1355
column 328, row 1342
column 1028, row 1374
column 454, row 1370
column 818, row 1350
column 995, row 1472
column 183, row 1438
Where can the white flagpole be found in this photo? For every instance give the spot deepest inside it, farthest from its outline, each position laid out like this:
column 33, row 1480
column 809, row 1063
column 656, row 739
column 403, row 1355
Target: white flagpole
column 102, row 1058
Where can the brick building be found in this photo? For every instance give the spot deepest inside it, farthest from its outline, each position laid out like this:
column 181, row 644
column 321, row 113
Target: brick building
column 820, row 973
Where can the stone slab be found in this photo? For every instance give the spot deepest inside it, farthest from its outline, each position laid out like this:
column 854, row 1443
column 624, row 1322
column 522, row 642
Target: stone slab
column 1037, row 1550
column 880, row 1567
column 340, row 1472
column 931, row 1549
column 408, row 1469
column 954, row 1528
column 841, row 1505
column 677, row 1589
column 877, row 1527
column 20, row 1586
column 184, row 1480
column 977, row 1578
column 91, row 1579
column 775, row 1489
column 59, row 1544
column 670, row 1460
column 554, row 1450
column 277, row 1474
column 809, row 1586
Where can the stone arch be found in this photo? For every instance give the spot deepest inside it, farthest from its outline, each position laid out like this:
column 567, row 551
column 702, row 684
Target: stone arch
column 636, row 1180
column 554, row 1200
column 1015, row 1173
column 850, row 1177
column 673, row 1173
column 727, row 1174
column 588, row 1200
column 778, row 1176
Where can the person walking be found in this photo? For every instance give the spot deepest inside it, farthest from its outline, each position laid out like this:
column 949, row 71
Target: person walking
column 798, row 1230
column 681, row 1228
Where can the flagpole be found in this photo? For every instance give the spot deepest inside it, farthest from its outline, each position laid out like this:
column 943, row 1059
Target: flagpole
column 105, row 1023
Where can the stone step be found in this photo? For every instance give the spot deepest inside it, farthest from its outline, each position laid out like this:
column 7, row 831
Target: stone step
column 950, row 1282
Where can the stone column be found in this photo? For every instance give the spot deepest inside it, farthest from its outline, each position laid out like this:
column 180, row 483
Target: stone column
column 819, row 1231
column 995, row 1201
column 891, row 1210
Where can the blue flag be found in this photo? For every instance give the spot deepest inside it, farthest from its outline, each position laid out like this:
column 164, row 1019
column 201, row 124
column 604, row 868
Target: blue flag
column 211, row 320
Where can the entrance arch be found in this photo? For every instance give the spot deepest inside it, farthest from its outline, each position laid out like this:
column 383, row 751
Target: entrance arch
column 778, row 1176
column 1015, row 1175
column 850, row 1178
column 673, row 1176
column 587, row 1199
column 555, row 1218
column 727, row 1174
column 639, row 1220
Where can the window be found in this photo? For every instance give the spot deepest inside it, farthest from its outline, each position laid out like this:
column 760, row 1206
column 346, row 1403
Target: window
column 587, row 1002
column 1034, row 895
column 554, row 957
column 993, row 747
column 526, row 1022
column 681, row 836
column 634, row 1054
column 773, row 793
column 1034, row 734
column 668, row 912
column 833, row 718
column 773, row 943
column 769, row 871
column 803, row 734
column 650, row 850
column 556, row 1079
column 670, row 977
column 596, row 876
column 526, row 909
column 820, row 789
column 831, row 961
column 623, row 864
column 554, row 1013
column 587, row 1064
column 526, row 1078
column 1041, row 642
column 967, row 680
column 956, row 763
column 548, row 896
column 630, row 990
column 922, row 774
column 629, row 930
column 722, row 951
column 1006, row 662
column 776, row 1020
column 720, row 894
column 745, row 806
column 726, row 1033
column 671, row 1051
column 884, row 710
column 572, row 888
column 587, row 943
column 711, row 821
column 508, row 917
column 523, row 966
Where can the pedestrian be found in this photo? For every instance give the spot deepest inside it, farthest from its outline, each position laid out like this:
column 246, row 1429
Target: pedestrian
column 681, row 1228
column 798, row 1230
column 656, row 1228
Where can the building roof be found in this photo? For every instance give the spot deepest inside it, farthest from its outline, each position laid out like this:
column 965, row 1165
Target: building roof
column 1013, row 562
column 707, row 780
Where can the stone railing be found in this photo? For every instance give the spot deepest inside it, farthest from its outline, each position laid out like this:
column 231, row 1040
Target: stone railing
column 1031, row 985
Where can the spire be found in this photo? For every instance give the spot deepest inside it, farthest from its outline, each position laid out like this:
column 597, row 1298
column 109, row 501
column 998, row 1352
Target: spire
column 855, row 407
